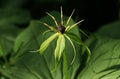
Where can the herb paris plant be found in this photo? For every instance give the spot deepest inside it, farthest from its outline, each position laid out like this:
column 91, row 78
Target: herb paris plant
column 62, row 33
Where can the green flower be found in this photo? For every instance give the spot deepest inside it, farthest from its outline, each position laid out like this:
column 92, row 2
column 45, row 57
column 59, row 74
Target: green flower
column 62, row 33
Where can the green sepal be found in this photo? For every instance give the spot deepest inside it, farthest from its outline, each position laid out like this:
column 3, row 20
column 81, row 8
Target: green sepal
column 47, row 42
column 59, row 47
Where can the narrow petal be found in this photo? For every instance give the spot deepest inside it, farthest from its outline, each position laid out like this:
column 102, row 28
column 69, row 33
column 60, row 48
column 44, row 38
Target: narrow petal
column 73, row 48
column 53, row 18
column 83, row 32
column 61, row 15
column 74, row 25
column 70, row 17
column 74, row 37
column 78, row 41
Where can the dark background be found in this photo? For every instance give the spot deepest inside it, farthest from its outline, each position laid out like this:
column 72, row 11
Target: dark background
column 95, row 12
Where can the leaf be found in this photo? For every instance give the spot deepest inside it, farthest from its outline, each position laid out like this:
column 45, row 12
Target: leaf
column 59, row 47
column 6, row 46
column 47, row 42
column 29, row 68
column 10, row 18
column 16, row 16
column 27, row 40
column 104, row 62
column 110, row 30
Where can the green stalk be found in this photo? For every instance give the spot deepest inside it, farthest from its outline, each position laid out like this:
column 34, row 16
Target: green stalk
column 65, row 66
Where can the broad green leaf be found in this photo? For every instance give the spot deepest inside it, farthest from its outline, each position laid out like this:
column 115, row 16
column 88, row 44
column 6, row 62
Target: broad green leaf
column 10, row 18
column 104, row 62
column 23, row 38
column 6, row 45
column 110, row 30
column 47, row 42
column 30, row 66
column 28, row 39
column 60, row 47
column 16, row 16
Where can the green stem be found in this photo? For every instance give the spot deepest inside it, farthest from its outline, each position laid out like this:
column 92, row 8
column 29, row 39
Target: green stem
column 65, row 66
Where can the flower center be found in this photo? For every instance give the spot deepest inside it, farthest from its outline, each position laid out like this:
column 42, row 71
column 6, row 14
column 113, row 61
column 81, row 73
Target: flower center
column 61, row 29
